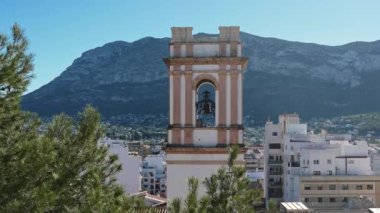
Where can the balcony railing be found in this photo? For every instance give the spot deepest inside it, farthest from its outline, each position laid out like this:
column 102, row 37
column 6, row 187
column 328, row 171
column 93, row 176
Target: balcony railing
column 276, row 172
column 295, row 164
column 275, row 184
column 275, row 194
column 275, row 161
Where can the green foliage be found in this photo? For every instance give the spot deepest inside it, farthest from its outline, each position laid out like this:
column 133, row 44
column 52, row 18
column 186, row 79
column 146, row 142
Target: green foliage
column 226, row 191
column 175, row 205
column 272, row 206
column 62, row 170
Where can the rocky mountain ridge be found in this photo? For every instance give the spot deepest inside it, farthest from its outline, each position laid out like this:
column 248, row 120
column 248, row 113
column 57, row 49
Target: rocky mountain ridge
column 282, row 76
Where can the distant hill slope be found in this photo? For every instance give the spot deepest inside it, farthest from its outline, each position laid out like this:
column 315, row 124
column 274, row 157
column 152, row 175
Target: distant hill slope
column 283, row 76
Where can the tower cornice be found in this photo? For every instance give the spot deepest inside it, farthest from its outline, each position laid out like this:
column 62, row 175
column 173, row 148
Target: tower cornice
column 206, row 60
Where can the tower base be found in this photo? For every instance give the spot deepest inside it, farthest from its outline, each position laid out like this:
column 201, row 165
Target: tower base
column 199, row 162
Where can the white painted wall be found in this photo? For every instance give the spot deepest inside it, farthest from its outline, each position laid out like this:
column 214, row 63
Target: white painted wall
column 359, row 149
column 129, row 177
column 228, row 50
column 375, row 162
column 206, row 67
column 228, row 99
column 205, row 137
column 193, row 107
column 171, row 50
column 178, row 174
column 171, row 99
column 240, row 136
column 170, row 136
column 205, row 50
column 296, row 128
column 182, row 100
column 183, row 50
column 213, row 74
column 240, row 99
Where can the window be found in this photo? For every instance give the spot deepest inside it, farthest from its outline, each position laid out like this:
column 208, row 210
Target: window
column 205, row 104
column 344, row 199
column 345, row 187
column 320, row 187
column 275, row 146
column 369, row 187
column 329, row 172
column 307, row 162
column 307, row 187
column 320, row 200
column 274, row 133
column 359, row 187
column 316, row 172
column 316, row 161
column 332, row 199
column 332, row 187
column 328, row 161
column 307, row 199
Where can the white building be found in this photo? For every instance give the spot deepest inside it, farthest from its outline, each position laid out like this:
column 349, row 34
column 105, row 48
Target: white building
column 153, row 170
column 321, row 170
column 274, row 152
column 375, row 159
column 254, row 166
column 316, row 157
column 129, row 177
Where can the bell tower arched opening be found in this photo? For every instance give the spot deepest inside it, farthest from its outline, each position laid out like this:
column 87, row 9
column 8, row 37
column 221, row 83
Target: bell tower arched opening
column 205, row 104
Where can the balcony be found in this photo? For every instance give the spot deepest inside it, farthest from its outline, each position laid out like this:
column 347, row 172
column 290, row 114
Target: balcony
column 276, row 172
column 295, row 164
column 275, row 184
column 275, row 194
column 275, row 161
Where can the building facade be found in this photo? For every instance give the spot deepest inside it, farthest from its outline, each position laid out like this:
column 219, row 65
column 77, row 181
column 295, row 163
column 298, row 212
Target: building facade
column 206, row 104
column 321, row 170
column 274, row 152
column 153, row 171
column 338, row 191
column 129, row 177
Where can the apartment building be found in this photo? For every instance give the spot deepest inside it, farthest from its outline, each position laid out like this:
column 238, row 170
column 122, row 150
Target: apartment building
column 339, row 191
column 254, row 166
column 153, row 170
column 129, row 177
column 320, row 170
column 273, row 152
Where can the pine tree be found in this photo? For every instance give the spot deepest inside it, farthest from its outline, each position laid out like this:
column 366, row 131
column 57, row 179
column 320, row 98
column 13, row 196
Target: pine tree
column 17, row 129
column 61, row 170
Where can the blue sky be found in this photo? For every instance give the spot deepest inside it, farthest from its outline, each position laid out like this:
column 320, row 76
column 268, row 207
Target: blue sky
column 60, row 30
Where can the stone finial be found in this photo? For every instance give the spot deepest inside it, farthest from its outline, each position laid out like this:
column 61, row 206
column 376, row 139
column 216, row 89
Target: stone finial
column 182, row 34
column 229, row 33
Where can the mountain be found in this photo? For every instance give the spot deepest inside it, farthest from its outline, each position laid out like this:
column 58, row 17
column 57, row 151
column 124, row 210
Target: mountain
column 283, row 76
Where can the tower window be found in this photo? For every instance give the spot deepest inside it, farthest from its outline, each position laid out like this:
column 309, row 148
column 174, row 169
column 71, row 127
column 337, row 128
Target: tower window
column 205, row 105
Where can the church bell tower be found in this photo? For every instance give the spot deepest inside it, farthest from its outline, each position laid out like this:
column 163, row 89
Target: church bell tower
column 206, row 104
